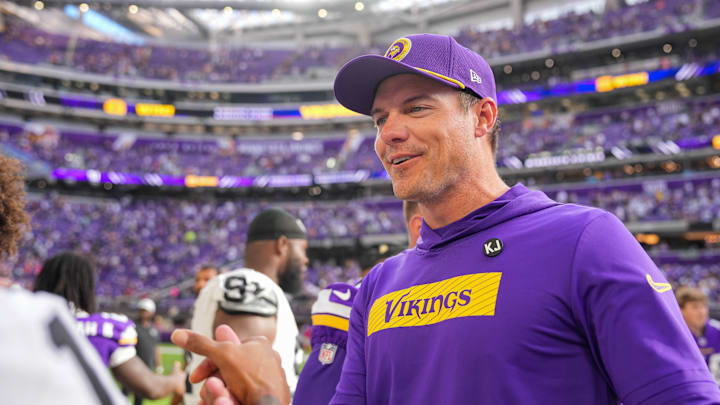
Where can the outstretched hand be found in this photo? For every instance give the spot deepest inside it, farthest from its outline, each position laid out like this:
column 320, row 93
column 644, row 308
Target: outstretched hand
column 179, row 377
column 250, row 369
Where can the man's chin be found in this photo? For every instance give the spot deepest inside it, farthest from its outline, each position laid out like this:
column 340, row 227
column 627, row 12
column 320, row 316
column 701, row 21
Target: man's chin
column 404, row 190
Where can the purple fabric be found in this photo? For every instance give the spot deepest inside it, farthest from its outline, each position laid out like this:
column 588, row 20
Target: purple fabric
column 709, row 342
column 321, row 373
column 437, row 57
column 562, row 313
column 107, row 332
column 317, row 382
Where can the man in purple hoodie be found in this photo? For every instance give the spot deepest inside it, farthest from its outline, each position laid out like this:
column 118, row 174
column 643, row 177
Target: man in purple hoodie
column 509, row 297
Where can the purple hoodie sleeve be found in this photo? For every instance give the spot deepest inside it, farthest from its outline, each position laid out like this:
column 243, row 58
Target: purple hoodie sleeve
column 631, row 319
column 351, row 388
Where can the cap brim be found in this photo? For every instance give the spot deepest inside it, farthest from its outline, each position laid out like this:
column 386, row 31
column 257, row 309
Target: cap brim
column 357, row 81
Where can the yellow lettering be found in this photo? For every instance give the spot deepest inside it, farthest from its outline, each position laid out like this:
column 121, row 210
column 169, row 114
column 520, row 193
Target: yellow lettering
column 482, row 291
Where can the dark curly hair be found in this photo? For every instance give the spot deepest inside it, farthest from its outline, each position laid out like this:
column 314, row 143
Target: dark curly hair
column 13, row 218
column 70, row 276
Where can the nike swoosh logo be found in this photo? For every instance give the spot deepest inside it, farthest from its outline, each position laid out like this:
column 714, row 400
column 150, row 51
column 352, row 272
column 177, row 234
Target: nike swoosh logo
column 343, row 296
column 659, row 287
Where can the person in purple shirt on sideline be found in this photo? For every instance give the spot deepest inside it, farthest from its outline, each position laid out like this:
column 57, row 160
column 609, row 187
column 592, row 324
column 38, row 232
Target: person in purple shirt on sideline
column 694, row 307
column 112, row 335
column 330, row 323
column 509, row 297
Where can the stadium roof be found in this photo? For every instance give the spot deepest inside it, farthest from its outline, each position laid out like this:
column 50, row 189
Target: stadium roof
column 206, row 19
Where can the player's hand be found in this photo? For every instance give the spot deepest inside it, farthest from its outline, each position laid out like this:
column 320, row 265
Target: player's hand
column 179, row 377
column 251, row 369
column 207, row 368
column 215, row 392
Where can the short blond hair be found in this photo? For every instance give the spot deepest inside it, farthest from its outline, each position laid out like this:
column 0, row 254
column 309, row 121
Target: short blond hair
column 686, row 294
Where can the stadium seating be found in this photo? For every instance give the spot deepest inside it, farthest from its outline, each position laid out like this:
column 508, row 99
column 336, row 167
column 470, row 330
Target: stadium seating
column 142, row 244
column 72, row 149
column 27, row 44
column 639, row 129
column 703, row 272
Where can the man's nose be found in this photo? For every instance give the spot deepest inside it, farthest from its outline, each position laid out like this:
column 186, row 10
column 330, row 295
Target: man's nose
column 394, row 130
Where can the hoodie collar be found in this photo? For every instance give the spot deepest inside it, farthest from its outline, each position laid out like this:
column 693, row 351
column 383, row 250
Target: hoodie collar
column 517, row 201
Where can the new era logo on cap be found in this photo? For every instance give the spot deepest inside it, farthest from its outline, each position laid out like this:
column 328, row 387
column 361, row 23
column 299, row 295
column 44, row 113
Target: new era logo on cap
column 474, row 77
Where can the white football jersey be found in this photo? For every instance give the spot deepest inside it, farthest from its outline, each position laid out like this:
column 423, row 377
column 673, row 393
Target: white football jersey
column 45, row 360
column 246, row 291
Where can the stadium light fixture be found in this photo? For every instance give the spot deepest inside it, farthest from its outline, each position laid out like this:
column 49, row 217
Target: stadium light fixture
column 39, row 5
column 276, row 12
column 549, row 63
column 667, row 48
column 507, row 69
column 297, row 136
column 84, row 7
column 227, row 10
column 133, row 9
column 322, row 13
column 616, row 53
column 692, row 43
column 359, row 6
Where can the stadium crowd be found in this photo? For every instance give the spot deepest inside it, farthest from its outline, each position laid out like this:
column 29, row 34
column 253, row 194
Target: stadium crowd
column 142, row 244
column 640, row 129
column 22, row 42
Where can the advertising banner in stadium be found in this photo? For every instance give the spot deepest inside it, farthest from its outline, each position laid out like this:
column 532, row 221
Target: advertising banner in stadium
column 329, row 111
column 193, row 181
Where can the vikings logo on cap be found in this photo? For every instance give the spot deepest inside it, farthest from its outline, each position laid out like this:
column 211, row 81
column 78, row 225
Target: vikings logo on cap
column 399, row 49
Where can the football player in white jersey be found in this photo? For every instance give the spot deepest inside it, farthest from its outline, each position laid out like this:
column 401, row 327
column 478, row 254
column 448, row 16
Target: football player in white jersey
column 45, row 359
column 251, row 300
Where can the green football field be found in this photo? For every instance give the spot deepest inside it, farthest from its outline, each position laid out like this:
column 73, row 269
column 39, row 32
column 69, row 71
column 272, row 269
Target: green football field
column 170, row 354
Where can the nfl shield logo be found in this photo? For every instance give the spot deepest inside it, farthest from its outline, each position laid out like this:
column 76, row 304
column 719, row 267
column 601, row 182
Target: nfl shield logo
column 327, row 353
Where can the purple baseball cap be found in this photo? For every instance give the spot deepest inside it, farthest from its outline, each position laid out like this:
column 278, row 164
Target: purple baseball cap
column 438, row 57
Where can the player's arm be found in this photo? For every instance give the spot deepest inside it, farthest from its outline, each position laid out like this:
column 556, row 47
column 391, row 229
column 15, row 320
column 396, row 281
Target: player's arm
column 247, row 325
column 158, row 358
column 351, row 387
column 136, row 376
column 321, row 373
column 627, row 311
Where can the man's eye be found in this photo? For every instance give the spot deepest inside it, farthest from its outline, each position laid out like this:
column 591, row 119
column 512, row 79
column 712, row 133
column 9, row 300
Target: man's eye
column 416, row 109
column 379, row 122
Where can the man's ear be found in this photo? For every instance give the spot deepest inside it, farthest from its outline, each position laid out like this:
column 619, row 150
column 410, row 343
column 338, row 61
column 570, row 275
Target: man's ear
column 414, row 229
column 486, row 113
column 282, row 246
column 416, row 224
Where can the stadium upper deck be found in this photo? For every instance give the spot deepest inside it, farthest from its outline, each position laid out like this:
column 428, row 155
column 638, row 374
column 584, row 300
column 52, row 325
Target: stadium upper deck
column 27, row 43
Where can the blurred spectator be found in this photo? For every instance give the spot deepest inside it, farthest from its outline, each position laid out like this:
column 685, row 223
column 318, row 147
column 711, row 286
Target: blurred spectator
column 706, row 332
column 148, row 339
column 203, row 274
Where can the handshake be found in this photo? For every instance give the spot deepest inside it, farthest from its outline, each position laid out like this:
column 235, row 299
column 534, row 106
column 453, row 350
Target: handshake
column 236, row 372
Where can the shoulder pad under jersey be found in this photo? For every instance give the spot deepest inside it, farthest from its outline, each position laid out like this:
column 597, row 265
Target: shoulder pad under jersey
column 247, row 291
